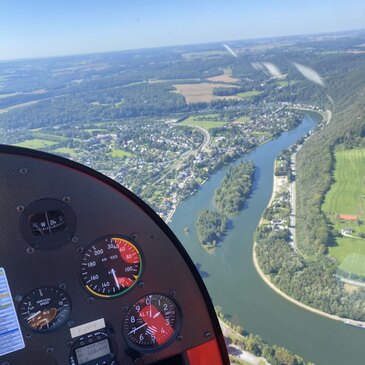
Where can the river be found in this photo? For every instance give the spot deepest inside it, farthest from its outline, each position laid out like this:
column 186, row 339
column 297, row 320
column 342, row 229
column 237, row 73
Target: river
column 235, row 285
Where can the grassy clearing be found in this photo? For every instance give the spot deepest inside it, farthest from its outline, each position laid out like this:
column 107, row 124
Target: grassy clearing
column 350, row 252
column 120, row 154
column 198, row 121
column 49, row 137
column 249, row 94
column 347, row 196
column 95, row 130
column 36, row 144
column 72, row 152
column 242, row 120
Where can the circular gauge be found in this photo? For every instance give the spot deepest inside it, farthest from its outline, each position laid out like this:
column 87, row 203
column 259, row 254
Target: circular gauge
column 110, row 267
column 152, row 322
column 45, row 309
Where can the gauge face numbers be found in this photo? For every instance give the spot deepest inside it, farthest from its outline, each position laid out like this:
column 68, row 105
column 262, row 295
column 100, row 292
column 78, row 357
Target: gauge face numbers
column 47, row 222
column 45, row 309
column 152, row 322
column 110, row 267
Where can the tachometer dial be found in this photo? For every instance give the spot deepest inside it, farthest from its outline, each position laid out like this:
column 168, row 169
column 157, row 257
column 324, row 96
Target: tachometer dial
column 45, row 309
column 110, row 267
column 152, row 322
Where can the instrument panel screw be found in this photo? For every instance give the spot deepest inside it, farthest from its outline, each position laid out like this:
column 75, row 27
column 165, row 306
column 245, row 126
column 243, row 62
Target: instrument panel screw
column 90, row 300
column 49, row 350
column 141, row 284
column 66, row 199
column 63, row 286
column 172, row 293
column 180, row 338
column 134, row 236
column 23, row 171
column 75, row 239
column 80, row 249
column 207, row 334
column 125, row 309
column 28, row 336
column 20, row 208
column 30, row 250
column 18, row 298
column 69, row 344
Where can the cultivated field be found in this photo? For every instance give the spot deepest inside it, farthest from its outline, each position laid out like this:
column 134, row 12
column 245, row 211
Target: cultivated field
column 226, row 77
column 36, row 144
column 347, row 197
column 249, row 94
column 350, row 252
column 201, row 93
column 207, row 121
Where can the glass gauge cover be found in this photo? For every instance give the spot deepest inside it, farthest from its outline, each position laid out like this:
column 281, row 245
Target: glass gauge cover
column 45, row 309
column 152, row 323
column 110, row 267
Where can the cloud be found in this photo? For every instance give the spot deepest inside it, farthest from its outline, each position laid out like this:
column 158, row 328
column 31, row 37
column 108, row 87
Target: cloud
column 268, row 68
column 230, row 50
column 273, row 69
column 309, row 74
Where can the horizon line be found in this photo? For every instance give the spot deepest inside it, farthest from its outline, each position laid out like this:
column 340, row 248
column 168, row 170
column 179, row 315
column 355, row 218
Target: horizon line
column 91, row 53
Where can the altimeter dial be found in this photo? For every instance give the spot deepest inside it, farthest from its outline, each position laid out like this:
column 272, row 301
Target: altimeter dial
column 152, row 322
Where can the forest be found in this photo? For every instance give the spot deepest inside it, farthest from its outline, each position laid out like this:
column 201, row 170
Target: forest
column 210, row 227
column 236, row 187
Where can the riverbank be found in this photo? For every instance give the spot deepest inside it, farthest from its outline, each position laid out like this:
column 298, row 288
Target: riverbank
column 266, row 279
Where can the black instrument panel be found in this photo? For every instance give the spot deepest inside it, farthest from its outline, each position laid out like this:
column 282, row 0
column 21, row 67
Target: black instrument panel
column 95, row 276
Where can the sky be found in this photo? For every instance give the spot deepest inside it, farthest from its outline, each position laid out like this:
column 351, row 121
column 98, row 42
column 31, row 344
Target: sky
column 39, row 28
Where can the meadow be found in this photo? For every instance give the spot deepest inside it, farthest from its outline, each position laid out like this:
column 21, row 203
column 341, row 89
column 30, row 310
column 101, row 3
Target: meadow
column 347, row 196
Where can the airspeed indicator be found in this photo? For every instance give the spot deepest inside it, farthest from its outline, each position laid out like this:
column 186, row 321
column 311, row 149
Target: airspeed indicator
column 110, row 267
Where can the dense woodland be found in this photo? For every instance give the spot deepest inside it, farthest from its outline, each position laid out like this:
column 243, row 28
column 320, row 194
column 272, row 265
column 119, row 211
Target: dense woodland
column 210, row 227
column 236, row 187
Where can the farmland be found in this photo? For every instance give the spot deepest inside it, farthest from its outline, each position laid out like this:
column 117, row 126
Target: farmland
column 201, row 93
column 347, row 197
column 249, row 94
column 36, row 143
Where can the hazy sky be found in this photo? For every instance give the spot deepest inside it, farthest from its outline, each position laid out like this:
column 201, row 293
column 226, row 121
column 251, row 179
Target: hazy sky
column 33, row 28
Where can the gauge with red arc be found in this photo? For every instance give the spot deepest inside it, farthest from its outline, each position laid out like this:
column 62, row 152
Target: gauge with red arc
column 110, row 267
column 152, row 322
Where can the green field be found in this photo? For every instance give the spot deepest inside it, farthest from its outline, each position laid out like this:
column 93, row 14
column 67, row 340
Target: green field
column 36, row 144
column 120, row 154
column 350, row 252
column 249, row 94
column 49, row 137
column 66, row 151
column 347, row 196
column 208, row 123
column 242, row 120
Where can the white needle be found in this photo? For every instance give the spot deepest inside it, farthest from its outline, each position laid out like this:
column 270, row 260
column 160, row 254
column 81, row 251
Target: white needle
column 115, row 278
column 33, row 316
column 136, row 329
column 157, row 314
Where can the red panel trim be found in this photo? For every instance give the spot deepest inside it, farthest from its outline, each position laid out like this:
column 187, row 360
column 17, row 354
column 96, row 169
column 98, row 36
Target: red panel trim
column 206, row 354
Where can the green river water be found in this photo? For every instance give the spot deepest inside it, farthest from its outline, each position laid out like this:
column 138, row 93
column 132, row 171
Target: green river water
column 235, row 285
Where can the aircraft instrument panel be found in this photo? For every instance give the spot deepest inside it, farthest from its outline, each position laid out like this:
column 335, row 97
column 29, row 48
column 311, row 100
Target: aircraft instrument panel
column 90, row 275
